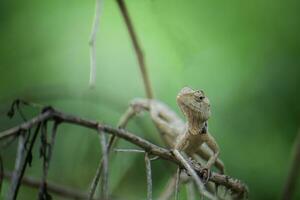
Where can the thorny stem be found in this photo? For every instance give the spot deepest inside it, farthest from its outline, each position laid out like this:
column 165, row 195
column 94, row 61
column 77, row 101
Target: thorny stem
column 137, row 48
column 52, row 114
column 149, row 176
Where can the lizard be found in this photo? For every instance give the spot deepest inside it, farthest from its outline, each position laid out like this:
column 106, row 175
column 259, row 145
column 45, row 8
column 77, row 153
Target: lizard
column 176, row 134
column 187, row 137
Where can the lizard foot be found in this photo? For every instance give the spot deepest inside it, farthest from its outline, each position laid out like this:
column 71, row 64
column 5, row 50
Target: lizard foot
column 205, row 175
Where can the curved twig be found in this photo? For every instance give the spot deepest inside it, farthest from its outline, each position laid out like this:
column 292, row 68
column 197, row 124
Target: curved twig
column 232, row 184
column 137, row 48
column 92, row 42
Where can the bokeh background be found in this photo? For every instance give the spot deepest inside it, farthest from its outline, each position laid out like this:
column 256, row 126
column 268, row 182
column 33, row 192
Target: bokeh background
column 243, row 54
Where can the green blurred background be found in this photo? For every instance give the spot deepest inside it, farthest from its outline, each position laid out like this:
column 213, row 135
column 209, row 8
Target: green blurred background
column 243, row 54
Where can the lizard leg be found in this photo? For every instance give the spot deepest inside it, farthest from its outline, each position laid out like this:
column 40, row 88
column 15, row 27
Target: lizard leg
column 212, row 144
column 165, row 120
column 203, row 153
column 135, row 107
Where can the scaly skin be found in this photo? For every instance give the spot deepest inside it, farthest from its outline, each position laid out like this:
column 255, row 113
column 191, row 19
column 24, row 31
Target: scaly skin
column 179, row 136
column 188, row 137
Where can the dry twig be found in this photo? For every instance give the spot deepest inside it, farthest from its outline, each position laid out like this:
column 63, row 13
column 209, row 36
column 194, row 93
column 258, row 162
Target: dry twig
column 137, row 48
column 52, row 114
column 15, row 185
column 149, row 176
column 56, row 189
column 104, row 187
column 177, row 183
column 92, row 42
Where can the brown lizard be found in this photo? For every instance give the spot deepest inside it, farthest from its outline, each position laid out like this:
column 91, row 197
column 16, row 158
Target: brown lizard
column 189, row 137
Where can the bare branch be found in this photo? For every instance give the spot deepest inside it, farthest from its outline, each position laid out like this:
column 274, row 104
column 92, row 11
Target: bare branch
column 104, row 187
column 18, row 167
column 47, row 155
column 230, row 183
column 27, row 125
column 137, row 48
column 290, row 184
column 177, row 183
column 191, row 171
column 92, row 42
column 56, row 189
column 103, row 165
column 129, row 150
column 95, row 181
column 191, row 191
column 17, row 180
column 149, row 176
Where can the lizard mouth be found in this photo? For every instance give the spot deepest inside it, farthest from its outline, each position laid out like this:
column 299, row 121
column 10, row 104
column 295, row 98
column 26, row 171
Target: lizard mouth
column 201, row 110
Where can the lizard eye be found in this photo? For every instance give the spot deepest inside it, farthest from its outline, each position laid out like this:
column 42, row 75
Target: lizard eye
column 199, row 98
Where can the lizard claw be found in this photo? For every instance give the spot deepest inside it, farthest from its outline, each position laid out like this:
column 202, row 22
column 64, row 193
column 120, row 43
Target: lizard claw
column 205, row 175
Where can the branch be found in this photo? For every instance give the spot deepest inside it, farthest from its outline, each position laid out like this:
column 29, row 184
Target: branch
column 192, row 172
column 15, row 185
column 92, row 42
column 59, row 190
column 290, row 184
column 177, row 183
column 18, row 167
column 149, row 176
column 95, row 180
column 232, row 184
column 104, row 188
column 137, row 48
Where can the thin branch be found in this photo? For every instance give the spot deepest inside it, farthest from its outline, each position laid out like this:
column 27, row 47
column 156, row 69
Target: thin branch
column 149, row 176
column 137, row 48
column 103, row 164
column 129, row 150
column 92, row 42
column 17, row 180
column 104, row 187
column 191, row 191
column 95, row 181
column 191, row 171
column 18, row 167
column 56, row 189
column 233, row 184
column 26, row 125
column 293, row 173
column 177, row 183
column 43, row 194
column 47, row 155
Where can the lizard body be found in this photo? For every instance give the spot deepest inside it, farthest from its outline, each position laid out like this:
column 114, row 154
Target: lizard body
column 188, row 137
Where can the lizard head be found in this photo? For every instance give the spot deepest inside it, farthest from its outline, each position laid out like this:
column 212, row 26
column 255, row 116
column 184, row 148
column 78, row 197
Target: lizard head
column 194, row 104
